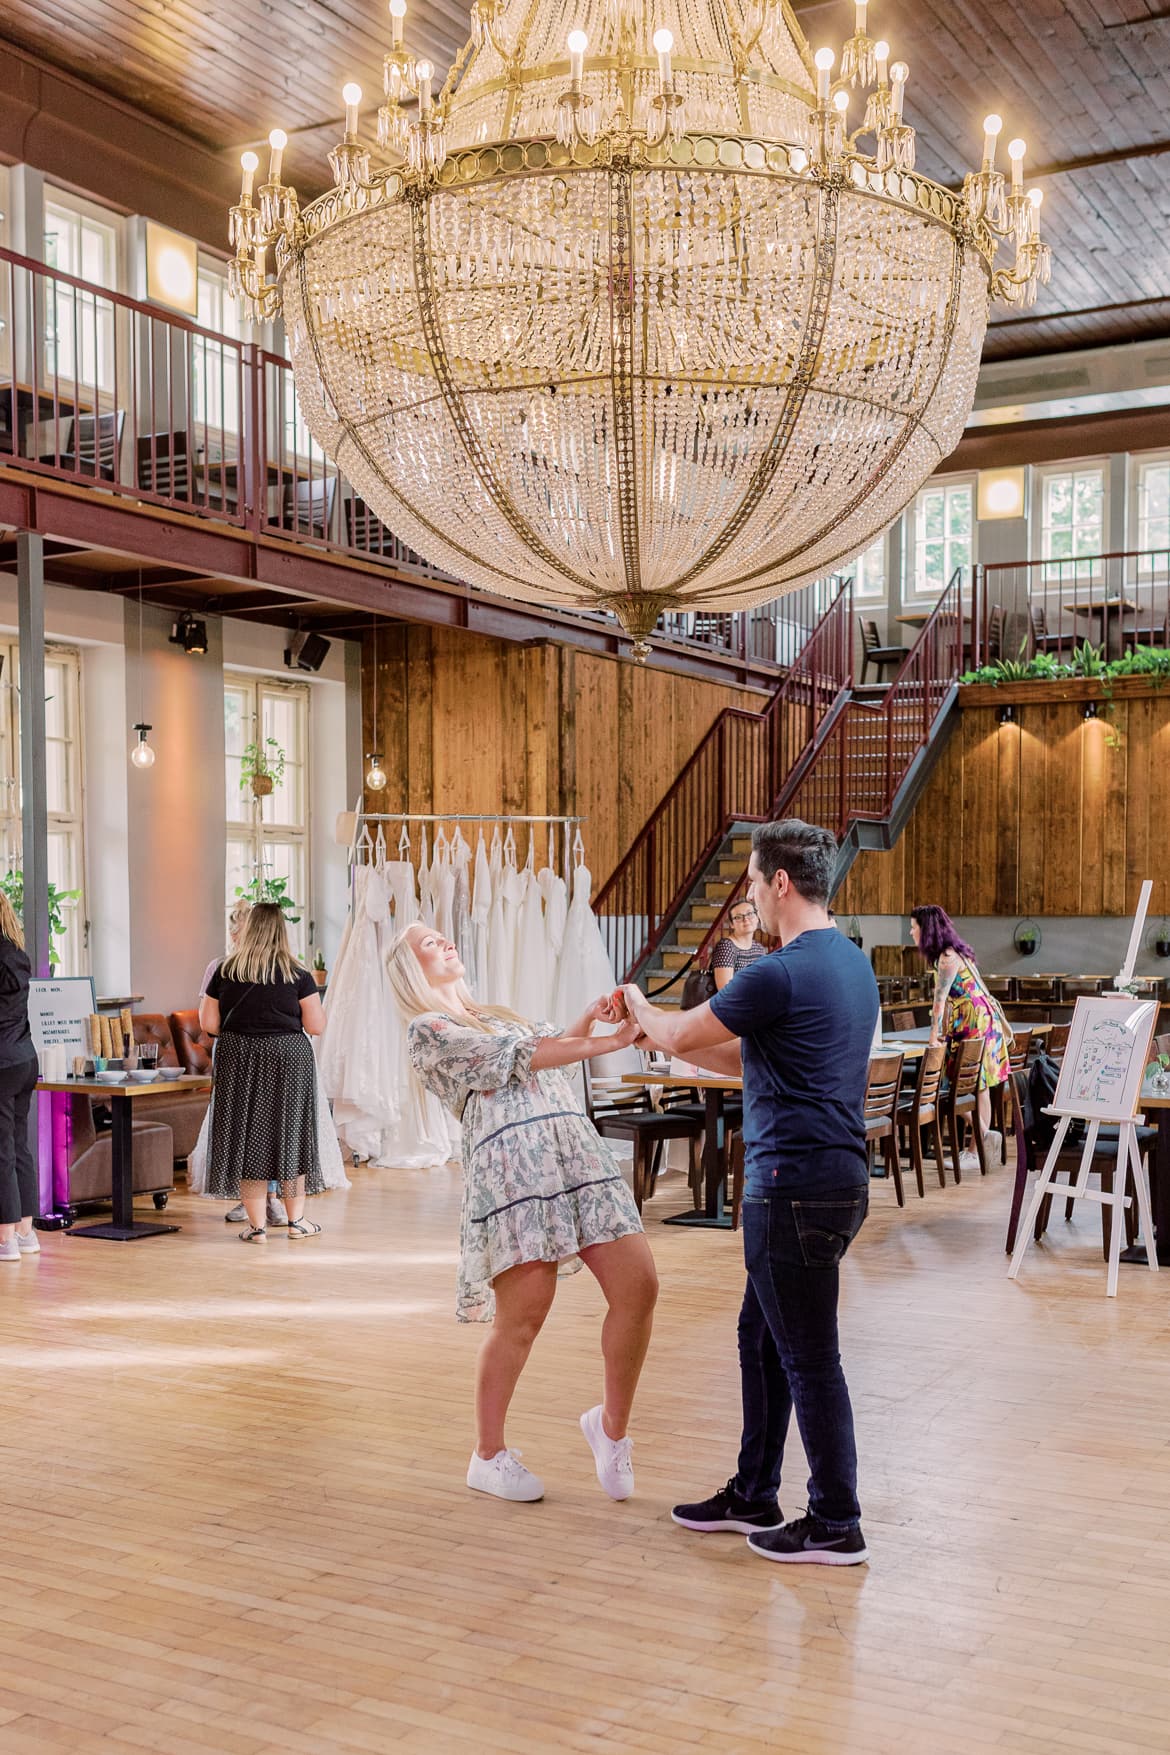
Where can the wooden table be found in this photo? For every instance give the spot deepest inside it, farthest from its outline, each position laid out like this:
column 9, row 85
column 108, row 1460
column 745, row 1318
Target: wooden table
column 122, row 1099
column 714, row 1216
column 1111, row 610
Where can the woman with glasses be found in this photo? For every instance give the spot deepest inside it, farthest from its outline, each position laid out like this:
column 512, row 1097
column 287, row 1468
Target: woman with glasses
column 735, row 953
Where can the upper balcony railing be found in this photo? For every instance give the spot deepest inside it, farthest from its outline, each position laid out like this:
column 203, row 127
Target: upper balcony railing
column 1022, row 609
column 103, row 390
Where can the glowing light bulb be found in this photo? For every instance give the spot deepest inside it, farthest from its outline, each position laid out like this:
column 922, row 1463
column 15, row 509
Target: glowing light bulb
column 899, row 74
column 376, row 777
column 881, row 54
column 991, row 127
column 823, row 60
column 277, row 141
column 249, row 164
column 142, row 756
column 397, row 14
column 663, row 41
column 425, row 73
column 1016, row 151
column 351, row 96
column 841, row 101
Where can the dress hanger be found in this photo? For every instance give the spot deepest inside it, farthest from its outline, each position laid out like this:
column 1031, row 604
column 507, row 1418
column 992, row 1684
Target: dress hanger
column 404, row 840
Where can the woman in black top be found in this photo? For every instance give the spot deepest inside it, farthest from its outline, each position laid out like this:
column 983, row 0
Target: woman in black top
column 18, row 1077
column 263, row 1006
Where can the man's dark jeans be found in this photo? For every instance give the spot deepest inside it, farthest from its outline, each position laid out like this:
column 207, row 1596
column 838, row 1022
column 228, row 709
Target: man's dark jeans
column 788, row 1355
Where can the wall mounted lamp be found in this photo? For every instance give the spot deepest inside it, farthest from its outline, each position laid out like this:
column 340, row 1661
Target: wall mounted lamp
column 1005, row 715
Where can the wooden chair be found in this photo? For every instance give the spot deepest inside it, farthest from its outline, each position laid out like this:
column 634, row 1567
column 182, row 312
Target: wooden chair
column 903, row 1019
column 93, row 445
column 364, row 530
column 873, row 652
column 164, row 466
column 881, row 1114
column 632, row 1118
column 1042, row 640
column 1056, row 1042
column 1002, row 1096
column 996, row 623
column 922, row 1110
column 961, row 1100
column 307, row 506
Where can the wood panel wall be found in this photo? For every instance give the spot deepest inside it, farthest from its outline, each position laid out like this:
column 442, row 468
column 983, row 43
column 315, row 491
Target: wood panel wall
column 1054, row 814
column 466, row 723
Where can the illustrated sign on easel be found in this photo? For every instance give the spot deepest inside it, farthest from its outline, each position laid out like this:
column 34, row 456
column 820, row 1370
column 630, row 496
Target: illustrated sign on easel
column 1100, row 1083
column 59, row 1011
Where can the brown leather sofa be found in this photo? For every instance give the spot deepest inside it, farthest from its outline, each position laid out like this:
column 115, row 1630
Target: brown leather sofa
column 193, row 1044
column 90, row 1173
column 181, row 1111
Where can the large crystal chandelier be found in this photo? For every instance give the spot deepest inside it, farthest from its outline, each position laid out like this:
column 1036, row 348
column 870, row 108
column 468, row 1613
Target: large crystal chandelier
column 653, row 314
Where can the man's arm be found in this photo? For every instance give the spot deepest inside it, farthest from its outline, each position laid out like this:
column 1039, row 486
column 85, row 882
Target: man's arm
column 724, row 1058
column 687, row 1034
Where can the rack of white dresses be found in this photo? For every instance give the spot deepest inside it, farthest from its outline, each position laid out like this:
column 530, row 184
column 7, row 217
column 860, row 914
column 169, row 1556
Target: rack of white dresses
column 363, row 846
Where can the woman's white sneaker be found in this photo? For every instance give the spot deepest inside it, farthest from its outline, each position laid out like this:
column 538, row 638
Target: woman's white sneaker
column 29, row 1245
column 9, row 1251
column 504, row 1475
column 613, row 1456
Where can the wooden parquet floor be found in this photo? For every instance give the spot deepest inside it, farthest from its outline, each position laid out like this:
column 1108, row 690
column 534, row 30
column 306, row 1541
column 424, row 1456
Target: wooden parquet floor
column 235, row 1518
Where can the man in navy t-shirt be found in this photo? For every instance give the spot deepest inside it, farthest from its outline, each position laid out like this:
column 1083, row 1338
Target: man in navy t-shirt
column 799, row 1024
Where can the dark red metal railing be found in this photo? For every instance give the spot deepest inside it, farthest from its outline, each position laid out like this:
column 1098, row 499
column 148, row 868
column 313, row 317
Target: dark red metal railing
column 860, row 764
column 733, row 776
column 1114, row 601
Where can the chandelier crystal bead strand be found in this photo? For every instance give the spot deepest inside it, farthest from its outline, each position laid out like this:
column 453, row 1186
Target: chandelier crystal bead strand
column 646, row 309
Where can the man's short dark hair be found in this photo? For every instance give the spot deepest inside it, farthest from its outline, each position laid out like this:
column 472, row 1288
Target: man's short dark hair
column 807, row 853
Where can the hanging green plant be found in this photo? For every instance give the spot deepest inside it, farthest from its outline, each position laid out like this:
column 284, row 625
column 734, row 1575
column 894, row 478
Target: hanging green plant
column 270, row 889
column 262, row 767
column 12, row 883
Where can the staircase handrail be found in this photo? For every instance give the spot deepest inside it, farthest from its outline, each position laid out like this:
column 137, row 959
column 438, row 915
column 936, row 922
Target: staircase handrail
column 930, row 669
column 817, row 683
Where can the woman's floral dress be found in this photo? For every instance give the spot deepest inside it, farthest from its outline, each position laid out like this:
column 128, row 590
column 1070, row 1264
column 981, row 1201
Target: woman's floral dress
column 970, row 1012
column 539, row 1182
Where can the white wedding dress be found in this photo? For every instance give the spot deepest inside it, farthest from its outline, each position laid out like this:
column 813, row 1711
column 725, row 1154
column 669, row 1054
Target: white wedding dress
column 585, row 974
column 358, row 1060
column 531, row 995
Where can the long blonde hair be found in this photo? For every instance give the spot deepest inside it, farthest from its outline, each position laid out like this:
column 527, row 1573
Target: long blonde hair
column 416, row 995
column 10, row 927
column 262, row 954
column 236, row 919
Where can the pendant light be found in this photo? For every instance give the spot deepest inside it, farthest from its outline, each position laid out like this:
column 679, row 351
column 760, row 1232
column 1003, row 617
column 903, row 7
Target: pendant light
column 376, row 779
column 141, row 754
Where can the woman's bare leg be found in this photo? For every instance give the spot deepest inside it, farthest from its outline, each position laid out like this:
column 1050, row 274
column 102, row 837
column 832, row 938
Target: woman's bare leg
column 626, row 1273
column 255, row 1198
column 524, row 1298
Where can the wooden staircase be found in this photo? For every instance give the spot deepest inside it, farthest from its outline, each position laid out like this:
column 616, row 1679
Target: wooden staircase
column 862, row 782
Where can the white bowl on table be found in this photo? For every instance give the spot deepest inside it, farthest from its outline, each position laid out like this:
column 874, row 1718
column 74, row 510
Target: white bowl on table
column 143, row 1076
column 110, row 1078
column 169, row 1072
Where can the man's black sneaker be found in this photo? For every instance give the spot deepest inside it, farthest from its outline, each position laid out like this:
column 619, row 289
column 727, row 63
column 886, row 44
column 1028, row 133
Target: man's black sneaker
column 809, row 1541
column 725, row 1510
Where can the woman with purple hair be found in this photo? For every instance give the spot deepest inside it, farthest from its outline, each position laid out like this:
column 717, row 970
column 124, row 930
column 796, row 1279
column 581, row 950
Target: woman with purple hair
column 963, row 1009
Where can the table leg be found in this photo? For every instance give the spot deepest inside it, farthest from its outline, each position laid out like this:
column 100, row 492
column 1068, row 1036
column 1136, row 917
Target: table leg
column 713, row 1217
column 122, row 1229
column 1159, row 1199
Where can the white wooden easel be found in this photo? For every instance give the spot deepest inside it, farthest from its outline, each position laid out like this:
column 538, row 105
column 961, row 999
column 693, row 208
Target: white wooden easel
column 1129, row 1164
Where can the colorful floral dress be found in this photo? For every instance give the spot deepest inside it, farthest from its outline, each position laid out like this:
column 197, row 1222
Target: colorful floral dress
column 971, row 1013
column 539, row 1183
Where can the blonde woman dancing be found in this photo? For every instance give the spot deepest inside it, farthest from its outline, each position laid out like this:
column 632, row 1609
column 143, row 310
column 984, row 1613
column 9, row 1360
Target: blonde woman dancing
column 540, row 1187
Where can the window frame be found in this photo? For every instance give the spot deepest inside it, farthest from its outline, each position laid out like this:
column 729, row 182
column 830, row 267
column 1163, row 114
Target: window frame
column 1139, row 461
column 1063, row 570
column 252, row 830
column 861, row 593
column 212, row 365
column 914, row 586
column 81, row 213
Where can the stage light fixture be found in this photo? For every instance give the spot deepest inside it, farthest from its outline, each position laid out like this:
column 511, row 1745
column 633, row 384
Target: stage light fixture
column 306, row 652
column 190, row 633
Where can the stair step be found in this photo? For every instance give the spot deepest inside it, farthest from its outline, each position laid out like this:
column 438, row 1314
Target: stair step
column 691, row 935
column 742, row 845
column 718, row 889
column 729, row 867
column 672, row 960
column 707, row 911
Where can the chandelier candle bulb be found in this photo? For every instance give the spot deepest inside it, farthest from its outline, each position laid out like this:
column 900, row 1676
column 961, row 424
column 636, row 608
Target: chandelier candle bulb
column 249, row 165
column 351, row 96
column 1016, row 151
column 881, row 55
column 425, row 74
column 899, row 74
column 277, row 141
column 841, row 101
column 663, row 44
column 397, row 14
column 824, row 64
column 991, row 127
column 578, row 42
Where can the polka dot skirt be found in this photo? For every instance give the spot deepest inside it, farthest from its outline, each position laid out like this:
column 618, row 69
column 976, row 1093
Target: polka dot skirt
column 263, row 1123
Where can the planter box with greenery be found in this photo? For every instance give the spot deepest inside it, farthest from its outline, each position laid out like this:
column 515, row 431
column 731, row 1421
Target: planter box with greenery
column 262, row 767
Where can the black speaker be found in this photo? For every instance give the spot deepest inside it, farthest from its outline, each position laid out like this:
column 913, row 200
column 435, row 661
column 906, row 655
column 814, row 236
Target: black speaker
column 308, row 652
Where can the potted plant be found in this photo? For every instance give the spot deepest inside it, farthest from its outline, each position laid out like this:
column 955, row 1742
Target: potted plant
column 270, row 889
column 12, row 883
column 1026, row 938
column 319, row 969
column 1162, row 940
column 853, row 931
column 262, row 767
column 1158, row 1072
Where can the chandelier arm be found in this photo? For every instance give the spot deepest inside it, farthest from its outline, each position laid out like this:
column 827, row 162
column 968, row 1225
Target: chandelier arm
column 621, row 337
column 816, row 317
column 913, row 424
column 440, row 364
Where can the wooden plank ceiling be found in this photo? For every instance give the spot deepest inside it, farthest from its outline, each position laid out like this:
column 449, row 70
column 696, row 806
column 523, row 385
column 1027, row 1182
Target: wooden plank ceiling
column 1084, row 81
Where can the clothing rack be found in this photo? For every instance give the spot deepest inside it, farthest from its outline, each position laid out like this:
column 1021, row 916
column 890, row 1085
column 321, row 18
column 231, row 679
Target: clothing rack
column 363, row 818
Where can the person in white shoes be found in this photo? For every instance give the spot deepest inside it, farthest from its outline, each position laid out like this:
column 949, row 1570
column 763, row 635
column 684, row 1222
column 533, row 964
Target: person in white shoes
column 541, row 1189
column 18, row 1078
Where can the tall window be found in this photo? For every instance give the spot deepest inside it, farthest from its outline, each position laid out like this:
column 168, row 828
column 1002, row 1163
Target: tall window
column 944, row 535
column 63, row 784
column 869, row 573
column 215, row 388
column 1153, row 506
column 79, row 325
column 1072, row 516
column 267, row 837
